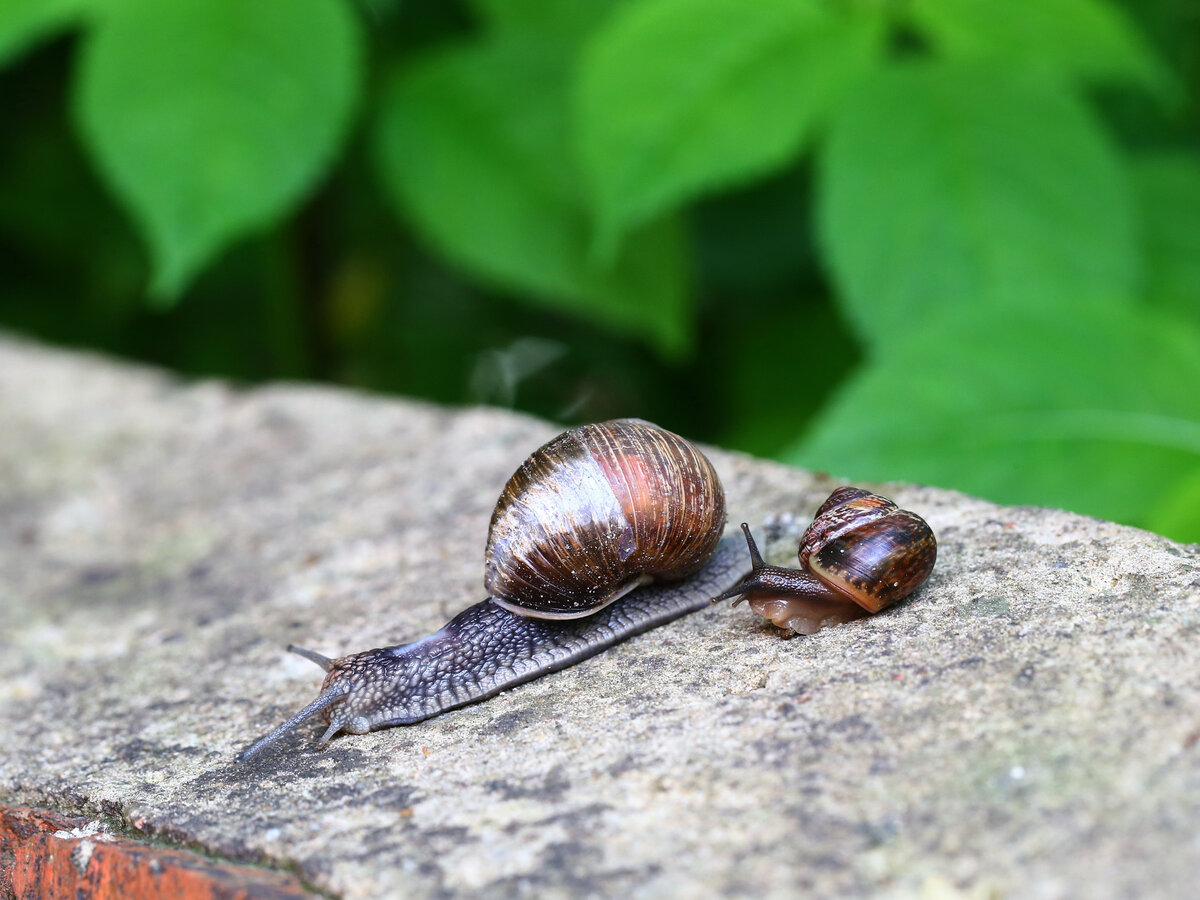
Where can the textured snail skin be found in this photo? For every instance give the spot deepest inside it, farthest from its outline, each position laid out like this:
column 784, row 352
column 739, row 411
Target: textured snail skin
column 486, row 649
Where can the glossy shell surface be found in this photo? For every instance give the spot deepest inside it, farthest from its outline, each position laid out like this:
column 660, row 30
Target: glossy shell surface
column 864, row 546
column 598, row 510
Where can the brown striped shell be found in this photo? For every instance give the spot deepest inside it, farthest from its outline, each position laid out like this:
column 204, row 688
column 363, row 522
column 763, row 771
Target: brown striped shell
column 598, row 511
column 865, row 547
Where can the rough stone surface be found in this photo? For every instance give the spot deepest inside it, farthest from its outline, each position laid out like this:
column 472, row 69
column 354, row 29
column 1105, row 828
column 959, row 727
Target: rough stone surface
column 1027, row 726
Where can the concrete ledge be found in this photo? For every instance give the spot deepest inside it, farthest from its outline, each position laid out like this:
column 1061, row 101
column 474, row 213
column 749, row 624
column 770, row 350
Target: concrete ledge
column 1026, row 726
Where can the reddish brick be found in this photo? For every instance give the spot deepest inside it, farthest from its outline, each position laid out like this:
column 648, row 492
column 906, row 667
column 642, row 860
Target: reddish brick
column 36, row 863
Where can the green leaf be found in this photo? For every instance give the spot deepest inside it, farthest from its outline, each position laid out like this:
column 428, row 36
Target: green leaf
column 953, row 185
column 25, row 22
column 1090, row 409
column 472, row 147
column 1089, row 40
column 1169, row 188
column 559, row 20
column 212, row 118
column 1178, row 514
column 678, row 97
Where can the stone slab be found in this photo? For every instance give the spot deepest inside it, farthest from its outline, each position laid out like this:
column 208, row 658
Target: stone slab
column 1026, row 726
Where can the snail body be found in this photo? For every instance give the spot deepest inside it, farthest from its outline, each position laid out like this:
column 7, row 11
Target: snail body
column 590, row 517
column 860, row 555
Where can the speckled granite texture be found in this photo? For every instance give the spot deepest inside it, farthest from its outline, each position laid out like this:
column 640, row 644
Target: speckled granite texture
column 1027, row 726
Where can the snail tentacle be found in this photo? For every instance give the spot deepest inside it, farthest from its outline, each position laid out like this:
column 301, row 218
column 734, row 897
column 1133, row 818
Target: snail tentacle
column 764, row 581
column 323, row 661
column 327, row 698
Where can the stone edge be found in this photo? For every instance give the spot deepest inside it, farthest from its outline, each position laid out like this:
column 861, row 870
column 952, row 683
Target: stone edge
column 47, row 855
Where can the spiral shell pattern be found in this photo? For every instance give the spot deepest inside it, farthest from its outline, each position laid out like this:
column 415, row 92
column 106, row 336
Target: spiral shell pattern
column 867, row 548
column 598, row 511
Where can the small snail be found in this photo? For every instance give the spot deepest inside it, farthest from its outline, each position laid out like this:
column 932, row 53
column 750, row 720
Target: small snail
column 860, row 554
column 597, row 512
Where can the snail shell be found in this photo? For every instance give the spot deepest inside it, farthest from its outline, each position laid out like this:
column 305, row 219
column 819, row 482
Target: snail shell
column 865, row 546
column 597, row 512
column 860, row 555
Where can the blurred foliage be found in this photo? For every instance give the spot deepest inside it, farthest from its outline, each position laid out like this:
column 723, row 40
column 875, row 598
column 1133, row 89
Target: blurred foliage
column 950, row 241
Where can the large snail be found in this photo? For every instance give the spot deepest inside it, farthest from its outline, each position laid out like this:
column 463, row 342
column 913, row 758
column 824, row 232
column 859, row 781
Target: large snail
column 860, row 554
column 592, row 515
